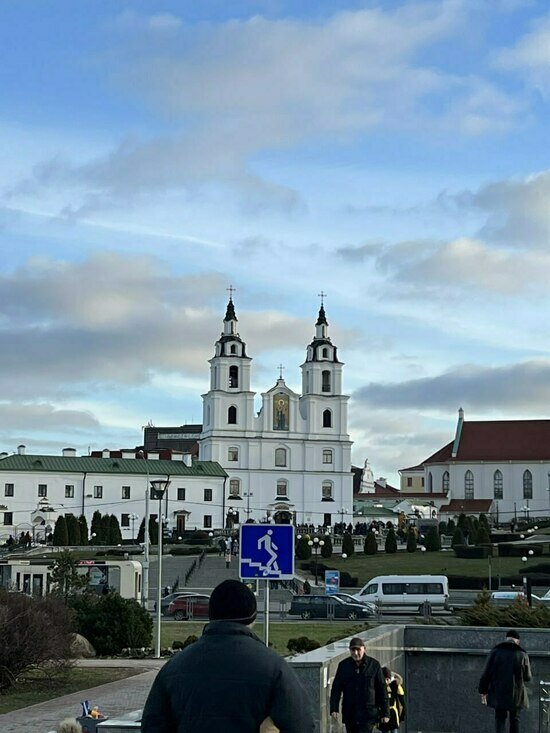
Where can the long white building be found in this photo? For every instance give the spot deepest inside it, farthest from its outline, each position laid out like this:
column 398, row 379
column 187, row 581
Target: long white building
column 291, row 461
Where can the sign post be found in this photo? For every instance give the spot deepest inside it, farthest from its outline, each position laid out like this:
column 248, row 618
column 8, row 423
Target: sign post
column 266, row 551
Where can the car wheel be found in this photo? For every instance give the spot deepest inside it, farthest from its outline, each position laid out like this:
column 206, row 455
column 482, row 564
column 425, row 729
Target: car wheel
column 352, row 615
column 179, row 616
column 306, row 615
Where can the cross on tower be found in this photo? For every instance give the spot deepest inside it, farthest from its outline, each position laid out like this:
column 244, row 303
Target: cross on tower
column 281, row 370
column 231, row 290
column 322, row 295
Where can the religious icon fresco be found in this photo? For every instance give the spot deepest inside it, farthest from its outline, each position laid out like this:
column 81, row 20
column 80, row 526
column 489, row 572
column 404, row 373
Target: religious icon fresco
column 281, row 411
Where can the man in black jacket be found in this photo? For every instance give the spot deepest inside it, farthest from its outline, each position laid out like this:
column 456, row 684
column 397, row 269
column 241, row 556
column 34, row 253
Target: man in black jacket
column 359, row 679
column 227, row 681
column 502, row 684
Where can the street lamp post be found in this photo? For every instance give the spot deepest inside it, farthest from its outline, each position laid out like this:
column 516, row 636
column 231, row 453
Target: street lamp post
column 133, row 518
column 146, row 538
column 315, row 545
column 248, row 494
column 158, row 488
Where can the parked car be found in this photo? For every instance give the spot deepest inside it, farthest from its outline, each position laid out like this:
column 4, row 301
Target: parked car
column 347, row 598
column 312, row 606
column 194, row 605
column 167, row 600
column 506, row 597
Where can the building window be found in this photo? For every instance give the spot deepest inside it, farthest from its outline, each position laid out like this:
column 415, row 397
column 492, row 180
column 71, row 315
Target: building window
column 327, row 455
column 235, row 487
column 233, row 348
column 8, row 489
column 233, row 454
column 98, row 492
column 232, row 415
column 327, row 520
column 468, row 485
column 445, row 482
column 233, row 376
column 498, row 485
column 282, row 488
column 430, row 483
column 280, row 456
column 8, row 519
column 527, row 484
column 325, row 381
column 181, row 494
column 125, row 492
column 69, row 491
column 42, row 489
column 327, row 419
column 207, row 524
column 325, row 353
column 326, row 490
column 409, row 481
column 124, row 520
column 422, row 482
column 208, row 495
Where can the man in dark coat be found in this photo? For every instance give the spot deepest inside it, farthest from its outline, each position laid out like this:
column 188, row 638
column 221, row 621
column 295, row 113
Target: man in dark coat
column 227, row 681
column 502, row 684
column 359, row 679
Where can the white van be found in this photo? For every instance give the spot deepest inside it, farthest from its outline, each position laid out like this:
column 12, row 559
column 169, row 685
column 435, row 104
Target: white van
column 406, row 591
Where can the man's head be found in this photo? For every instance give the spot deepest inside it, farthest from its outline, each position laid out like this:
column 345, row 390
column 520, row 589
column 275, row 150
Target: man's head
column 512, row 635
column 386, row 671
column 357, row 648
column 232, row 601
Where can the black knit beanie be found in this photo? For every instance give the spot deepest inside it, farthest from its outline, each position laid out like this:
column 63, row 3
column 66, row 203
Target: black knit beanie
column 232, row 601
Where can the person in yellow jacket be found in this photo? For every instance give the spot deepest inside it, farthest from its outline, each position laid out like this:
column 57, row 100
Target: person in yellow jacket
column 396, row 699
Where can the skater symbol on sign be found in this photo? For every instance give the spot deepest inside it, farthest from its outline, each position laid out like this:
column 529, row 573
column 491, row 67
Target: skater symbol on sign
column 266, row 543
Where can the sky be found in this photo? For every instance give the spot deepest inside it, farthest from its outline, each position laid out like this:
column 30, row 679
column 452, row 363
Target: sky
column 394, row 155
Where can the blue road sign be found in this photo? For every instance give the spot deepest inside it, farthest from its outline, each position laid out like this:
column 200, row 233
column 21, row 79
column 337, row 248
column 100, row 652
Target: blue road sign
column 266, row 551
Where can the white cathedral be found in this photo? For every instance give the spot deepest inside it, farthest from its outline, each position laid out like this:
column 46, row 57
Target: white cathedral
column 290, row 462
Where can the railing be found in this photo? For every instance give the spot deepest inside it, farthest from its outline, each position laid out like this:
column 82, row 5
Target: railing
column 544, row 707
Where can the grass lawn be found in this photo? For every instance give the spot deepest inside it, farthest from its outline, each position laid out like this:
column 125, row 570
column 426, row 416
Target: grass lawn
column 279, row 633
column 34, row 691
column 366, row 567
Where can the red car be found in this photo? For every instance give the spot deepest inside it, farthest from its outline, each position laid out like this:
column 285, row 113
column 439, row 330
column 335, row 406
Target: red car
column 189, row 607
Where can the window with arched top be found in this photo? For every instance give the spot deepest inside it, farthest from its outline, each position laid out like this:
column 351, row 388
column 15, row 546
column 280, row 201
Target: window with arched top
column 325, row 353
column 445, row 482
column 527, row 484
column 326, row 490
column 327, row 455
column 233, row 376
column 280, row 456
column 498, row 485
column 430, row 483
column 234, row 487
column 327, row 418
column 232, row 415
column 325, row 380
column 468, row 485
column 233, row 349
column 282, row 488
column 232, row 454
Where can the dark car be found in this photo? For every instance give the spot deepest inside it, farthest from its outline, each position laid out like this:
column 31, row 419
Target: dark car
column 347, row 598
column 167, row 600
column 188, row 607
column 327, row 607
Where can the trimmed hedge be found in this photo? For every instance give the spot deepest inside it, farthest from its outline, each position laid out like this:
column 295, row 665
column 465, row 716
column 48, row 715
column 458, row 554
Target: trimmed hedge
column 192, row 550
column 346, row 580
column 471, row 551
column 518, row 550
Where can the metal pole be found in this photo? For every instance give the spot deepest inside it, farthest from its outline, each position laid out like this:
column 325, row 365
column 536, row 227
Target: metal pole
column 159, row 580
column 266, row 613
column 146, row 549
column 490, row 573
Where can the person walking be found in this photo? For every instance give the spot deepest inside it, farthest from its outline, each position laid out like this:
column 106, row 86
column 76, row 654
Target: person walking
column 361, row 685
column 227, row 680
column 396, row 701
column 502, row 684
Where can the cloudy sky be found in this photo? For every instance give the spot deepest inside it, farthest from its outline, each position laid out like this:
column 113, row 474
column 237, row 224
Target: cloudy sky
column 393, row 154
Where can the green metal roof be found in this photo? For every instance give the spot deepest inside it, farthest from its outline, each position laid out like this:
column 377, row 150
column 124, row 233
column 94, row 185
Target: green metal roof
column 87, row 464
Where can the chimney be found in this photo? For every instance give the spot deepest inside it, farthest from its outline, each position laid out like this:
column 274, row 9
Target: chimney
column 105, row 453
column 69, row 452
column 382, row 481
column 187, row 458
column 3, row 455
column 21, row 450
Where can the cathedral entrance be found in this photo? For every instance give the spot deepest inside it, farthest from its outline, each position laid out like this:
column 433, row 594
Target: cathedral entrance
column 283, row 517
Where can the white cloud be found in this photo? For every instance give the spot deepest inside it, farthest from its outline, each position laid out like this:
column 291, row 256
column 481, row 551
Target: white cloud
column 531, row 55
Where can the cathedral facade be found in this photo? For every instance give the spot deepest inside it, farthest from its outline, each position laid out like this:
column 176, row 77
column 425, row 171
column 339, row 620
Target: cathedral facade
column 291, row 461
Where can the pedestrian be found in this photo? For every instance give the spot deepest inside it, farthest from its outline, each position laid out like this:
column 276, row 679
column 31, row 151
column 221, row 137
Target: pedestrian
column 221, row 546
column 396, row 701
column 361, row 684
column 227, row 559
column 502, row 684
column 227, row 680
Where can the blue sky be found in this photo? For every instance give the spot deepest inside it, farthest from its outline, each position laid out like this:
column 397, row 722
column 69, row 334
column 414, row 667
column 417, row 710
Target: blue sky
column 392, row 154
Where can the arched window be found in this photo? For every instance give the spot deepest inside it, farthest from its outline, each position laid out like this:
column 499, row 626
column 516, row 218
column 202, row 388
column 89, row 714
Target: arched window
column 468, row 485
column 234, row 487
column 280, row 456
column 498, row 485
column 327, row 455
column 527, row 484
column 232, row 415
column 325, row 353
column 282, row 488
column 233, row 376
column 233, row 348
column 325, row 381
column 326, row 490
column 327, row 419
column 445, row 482
column 430, row 483
column 232, row 454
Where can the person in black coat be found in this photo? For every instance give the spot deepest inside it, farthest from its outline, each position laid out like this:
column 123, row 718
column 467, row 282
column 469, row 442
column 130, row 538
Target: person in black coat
column 502, row 684
column 360, row 682
column 228, row 681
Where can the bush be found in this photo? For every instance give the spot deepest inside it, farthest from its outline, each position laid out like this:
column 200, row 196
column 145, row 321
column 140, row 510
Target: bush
column 112, row 623
column 518, row 550
column 433, row 543
column 303, row 550
column 191, row 639
column 517, row 615
column 302, row 644
column 370, row 546
column 60, row 533
column 471, row 552
column 458, row 537
column 36, row 634
column 391, row 542
column 482, row 535
column 198, row 538
column 347, row 544
column 411, row 540
column 326, row 549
